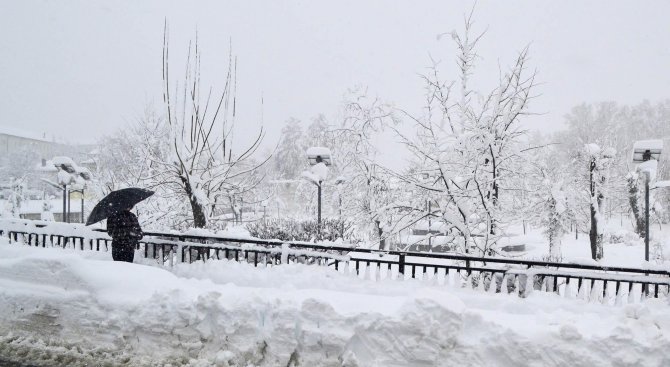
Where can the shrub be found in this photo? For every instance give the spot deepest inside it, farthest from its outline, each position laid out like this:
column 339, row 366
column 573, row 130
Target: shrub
column 301, row 230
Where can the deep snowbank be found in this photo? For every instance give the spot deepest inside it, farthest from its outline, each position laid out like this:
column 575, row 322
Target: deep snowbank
column 61, row 307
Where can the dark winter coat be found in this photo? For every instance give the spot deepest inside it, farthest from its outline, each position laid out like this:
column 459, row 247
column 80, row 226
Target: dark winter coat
column 124, row 229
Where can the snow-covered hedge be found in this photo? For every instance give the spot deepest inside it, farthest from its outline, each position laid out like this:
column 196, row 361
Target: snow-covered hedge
column 301, row 230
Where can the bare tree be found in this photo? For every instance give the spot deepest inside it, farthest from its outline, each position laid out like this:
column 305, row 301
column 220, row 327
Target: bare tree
column 202, row 163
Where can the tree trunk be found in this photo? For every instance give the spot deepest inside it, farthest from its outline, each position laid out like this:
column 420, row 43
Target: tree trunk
column 198, row 210
column 555, row 232
column 199, row 218
column 634, row 200
column 380, row 232
column 496, row 189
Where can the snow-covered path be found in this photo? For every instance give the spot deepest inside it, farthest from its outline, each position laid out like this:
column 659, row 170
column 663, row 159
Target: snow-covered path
column 63, row 307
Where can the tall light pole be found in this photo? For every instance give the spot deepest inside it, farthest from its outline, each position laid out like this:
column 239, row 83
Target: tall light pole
column 82, row 176
column 69, row 173
column 647, row 153
column 66, row 169
column 319, row 159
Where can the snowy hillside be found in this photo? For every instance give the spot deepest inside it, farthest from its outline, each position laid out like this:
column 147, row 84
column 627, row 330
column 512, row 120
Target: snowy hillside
column 62, row 307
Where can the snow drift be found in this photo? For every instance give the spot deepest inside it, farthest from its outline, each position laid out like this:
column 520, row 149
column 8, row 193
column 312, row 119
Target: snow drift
column 61, row 307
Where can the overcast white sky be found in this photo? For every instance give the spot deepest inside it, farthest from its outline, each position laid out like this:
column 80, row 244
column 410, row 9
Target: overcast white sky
column 81, row 69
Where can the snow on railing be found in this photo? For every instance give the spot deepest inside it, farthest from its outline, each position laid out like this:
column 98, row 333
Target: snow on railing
column 177, row 248
column 583, row 280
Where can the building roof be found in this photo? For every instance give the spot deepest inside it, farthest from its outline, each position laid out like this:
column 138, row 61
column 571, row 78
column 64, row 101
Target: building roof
column 14, row 131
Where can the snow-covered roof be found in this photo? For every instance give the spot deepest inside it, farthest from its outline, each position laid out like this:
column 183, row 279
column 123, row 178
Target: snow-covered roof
column 13, row 131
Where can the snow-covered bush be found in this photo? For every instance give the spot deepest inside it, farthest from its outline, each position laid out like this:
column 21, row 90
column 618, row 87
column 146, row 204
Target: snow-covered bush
column 624, row 237
column 301, row 230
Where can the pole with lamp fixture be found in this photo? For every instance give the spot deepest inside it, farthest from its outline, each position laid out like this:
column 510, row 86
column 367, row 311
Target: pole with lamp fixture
column 647, row 153
column 319, row 159
column 66, row 169
column 68, row 174
column 83, row 175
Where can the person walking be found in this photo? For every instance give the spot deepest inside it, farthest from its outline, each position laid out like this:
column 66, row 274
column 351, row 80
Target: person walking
column 126, row 233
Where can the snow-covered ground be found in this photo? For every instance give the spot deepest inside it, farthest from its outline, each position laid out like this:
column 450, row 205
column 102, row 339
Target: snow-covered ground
column 627, row 249
column 64, row 307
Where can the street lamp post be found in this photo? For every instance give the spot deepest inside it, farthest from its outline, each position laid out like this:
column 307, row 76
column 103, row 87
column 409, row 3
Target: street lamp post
column 65, row 218
column 319, row 203
column 66, row 169
column 319, row 159
column 646, row 216
column 69, row 173
column 647, row 153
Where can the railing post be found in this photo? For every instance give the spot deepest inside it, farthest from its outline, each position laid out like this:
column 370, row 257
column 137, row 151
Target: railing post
column 401, row 264
column 182, row 239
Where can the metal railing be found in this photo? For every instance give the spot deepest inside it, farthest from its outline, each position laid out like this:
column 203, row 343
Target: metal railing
column 604, row 284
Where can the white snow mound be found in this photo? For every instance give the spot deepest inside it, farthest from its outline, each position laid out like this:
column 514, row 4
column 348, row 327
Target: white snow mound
column 62, row 307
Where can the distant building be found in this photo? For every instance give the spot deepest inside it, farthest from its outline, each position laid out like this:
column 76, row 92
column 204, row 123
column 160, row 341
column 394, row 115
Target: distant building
column 16, row 140
column 35, row 210
column 40, row 183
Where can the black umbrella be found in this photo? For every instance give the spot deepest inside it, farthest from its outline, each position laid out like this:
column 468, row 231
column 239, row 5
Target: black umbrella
column 117, row 201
